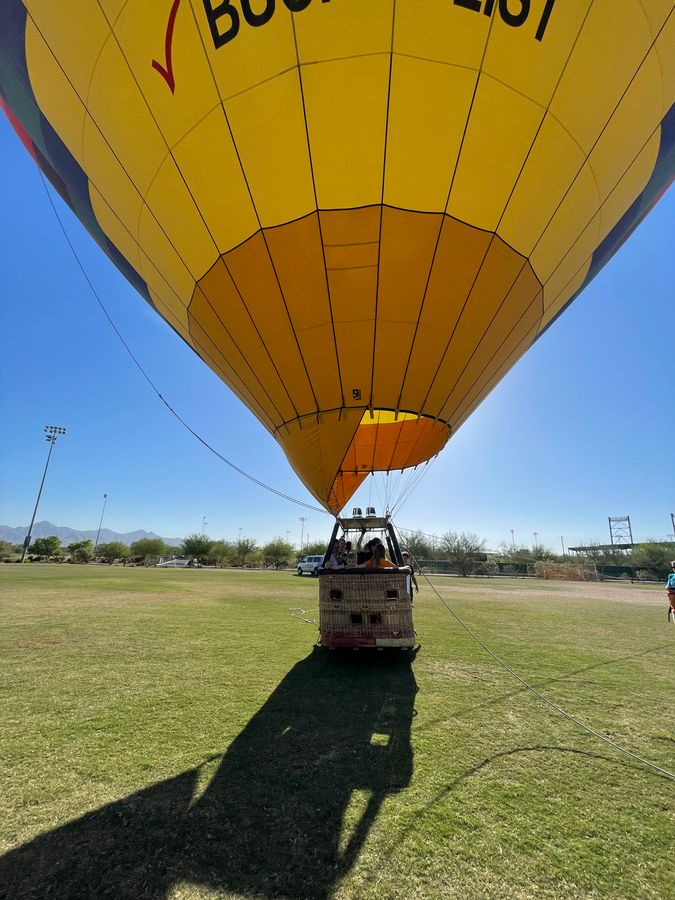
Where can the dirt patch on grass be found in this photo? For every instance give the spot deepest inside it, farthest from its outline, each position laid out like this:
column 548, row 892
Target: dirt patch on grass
column 616, row 593
column 573, row 590
column 463, row 673
column 44, row 642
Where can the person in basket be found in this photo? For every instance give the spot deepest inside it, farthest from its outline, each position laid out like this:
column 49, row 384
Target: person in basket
column 378, row 559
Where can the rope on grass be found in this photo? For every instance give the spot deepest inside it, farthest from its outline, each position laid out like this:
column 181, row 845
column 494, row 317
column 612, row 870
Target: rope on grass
column 542, row 697
column 302, row 615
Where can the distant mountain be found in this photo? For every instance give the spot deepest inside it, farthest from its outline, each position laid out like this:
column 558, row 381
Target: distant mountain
column 71, row 535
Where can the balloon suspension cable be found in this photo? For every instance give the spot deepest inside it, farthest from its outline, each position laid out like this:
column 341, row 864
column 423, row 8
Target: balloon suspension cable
column 433, row 537
column 533, row 690
column 416, row 476
column 205, row 443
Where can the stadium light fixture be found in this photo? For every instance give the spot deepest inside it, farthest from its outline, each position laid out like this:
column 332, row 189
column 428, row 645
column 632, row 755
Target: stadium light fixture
column 52, row 432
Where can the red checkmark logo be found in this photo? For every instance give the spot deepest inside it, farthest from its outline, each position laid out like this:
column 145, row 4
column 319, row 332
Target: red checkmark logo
column 166, row 71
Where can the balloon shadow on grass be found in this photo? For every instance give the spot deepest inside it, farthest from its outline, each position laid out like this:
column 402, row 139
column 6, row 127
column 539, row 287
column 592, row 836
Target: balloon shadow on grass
column 270, row 822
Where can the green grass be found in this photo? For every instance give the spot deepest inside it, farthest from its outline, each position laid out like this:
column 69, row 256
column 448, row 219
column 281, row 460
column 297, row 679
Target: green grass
column 172, row 734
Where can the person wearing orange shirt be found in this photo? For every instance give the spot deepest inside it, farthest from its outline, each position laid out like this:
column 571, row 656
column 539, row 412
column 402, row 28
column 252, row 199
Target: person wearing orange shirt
column 378, row 560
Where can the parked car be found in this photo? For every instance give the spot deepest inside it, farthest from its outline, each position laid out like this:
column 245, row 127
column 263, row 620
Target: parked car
column 179, row 562
column 310, row 564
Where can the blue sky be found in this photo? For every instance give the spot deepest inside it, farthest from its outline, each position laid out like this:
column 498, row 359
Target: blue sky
column 581, row 429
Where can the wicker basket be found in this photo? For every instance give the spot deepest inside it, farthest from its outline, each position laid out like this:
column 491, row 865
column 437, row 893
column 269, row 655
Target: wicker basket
column 365, row 609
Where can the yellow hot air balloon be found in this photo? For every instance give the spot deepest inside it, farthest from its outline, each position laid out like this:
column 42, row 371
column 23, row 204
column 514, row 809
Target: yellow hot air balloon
column 359, row 213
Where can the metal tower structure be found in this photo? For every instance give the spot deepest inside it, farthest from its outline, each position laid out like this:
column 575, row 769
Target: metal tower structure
column 620, row 532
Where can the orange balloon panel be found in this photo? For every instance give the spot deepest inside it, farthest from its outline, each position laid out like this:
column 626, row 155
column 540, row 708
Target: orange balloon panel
column 360, row 215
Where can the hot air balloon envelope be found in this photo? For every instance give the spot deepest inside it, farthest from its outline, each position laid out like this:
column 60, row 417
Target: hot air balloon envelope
column 359, row 214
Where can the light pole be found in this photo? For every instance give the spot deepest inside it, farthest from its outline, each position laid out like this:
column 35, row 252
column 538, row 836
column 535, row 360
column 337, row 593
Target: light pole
column 52, row 432
column 536, row 542
column 562, row 544
column 303, row 519
column 240, row 534
column 203, row 524
column 98, row 533
column 513, row 541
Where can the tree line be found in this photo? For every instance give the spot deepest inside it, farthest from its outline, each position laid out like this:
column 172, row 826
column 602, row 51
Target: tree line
column 466, row 551
column 463, row 552
column 198, row 547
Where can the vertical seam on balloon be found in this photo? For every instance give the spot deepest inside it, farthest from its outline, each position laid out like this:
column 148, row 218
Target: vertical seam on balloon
column 239, row 376
column 316, row 204
column 307, row 63
column 290, row 321
column 231, row 337
column 85, row 104
column 208, row 357
column 124, row 226
column 489, row 326
column 114, row 327
column 496, row 227
column 135, row 188
column 234, row 377
column 384, row 176
column 586, row 161
column 564, row 288
column 160, row 132
column 338, row 471
column 507, row 365
column 513, row 330
column 89, row 180
column 111, row 26
column 467, row 406
column 604, row 128
column 589, row 258
column 141, row 251
column 572, row 277
column 444, row 213
column 649, row 28
column 196, row 205
column 420, row 440
column 262, row 231
column 169, row 154
column 390, row 466
column 169, row 315
column 579, row 235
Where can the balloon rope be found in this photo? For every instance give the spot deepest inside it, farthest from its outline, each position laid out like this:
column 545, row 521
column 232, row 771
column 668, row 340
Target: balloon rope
column 303, row 615
column 545, row 699
column 145, row 375
column 541, row 696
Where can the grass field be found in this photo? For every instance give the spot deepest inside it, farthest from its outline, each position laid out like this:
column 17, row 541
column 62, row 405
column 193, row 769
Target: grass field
column 172, row 734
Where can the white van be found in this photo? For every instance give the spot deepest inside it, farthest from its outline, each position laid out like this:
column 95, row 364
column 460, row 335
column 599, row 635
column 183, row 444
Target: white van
column 310, row 564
